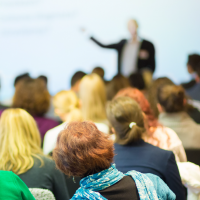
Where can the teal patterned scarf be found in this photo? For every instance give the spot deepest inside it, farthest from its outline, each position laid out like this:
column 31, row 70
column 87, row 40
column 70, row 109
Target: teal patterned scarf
column 149, row 186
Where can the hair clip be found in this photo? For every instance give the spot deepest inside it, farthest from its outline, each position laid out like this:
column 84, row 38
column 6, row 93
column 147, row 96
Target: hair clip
column 132, row 124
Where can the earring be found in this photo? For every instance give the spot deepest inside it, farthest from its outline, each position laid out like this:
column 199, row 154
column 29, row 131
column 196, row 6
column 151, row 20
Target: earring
column 74, row 180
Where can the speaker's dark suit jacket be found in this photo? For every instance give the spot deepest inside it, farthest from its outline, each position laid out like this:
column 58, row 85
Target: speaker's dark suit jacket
column 141, row 63
column 146, row 158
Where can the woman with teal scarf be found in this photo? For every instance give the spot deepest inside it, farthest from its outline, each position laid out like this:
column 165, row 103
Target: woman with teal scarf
column 82, row 150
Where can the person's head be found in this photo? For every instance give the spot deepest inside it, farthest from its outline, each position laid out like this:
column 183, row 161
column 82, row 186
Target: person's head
column 66, row 106
column 83, row 150
column 117, row 83
column 139, row 97
column 137, row 81
column 44, row 78
column 152, row 93
column 20, row 77
column 32, row 95
column 19, row 141
column 93, row 98
column 99, row 71
column 171, row 98
column 193, row 60
column 75, row 80
column 125, row 116
column 133, row 27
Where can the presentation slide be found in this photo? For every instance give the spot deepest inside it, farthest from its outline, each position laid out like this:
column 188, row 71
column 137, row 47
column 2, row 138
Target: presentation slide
column 51, row 37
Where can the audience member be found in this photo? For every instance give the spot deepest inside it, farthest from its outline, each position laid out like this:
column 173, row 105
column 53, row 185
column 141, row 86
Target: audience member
column 8, row 102
column 32, row 95
column 194, row 92
column 99, row 71
column 20, row 152
column 152, row 93
column 13, row 188
column 193, row 60
column 66, row 106
column 75, row 80
column 132, row 153
column 93, row 101
column 192, row 111
column 20, row 77
column 117, row 83
column 44, row 78
column 172, row 100
column 89, row 155
column 156, row 134
column 137, row 81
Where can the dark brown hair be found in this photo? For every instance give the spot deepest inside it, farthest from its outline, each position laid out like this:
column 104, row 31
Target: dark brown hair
column 32, row 95
column 83, row 150
column 171, row 98
column 117, row 83
column 121, row 112
column 152, row 92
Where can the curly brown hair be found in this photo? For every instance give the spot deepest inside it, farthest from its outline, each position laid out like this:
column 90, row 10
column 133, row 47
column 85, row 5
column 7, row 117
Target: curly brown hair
column 32, row 95
column 83, row 150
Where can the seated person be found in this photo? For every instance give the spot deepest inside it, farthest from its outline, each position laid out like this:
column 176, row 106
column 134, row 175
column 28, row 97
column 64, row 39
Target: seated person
column 137, row 81
column 75, row 80
column 193, row 60
column 21, row 153
column 171, row 99
column 194, row 92
column 13, row 188
column 132, row 153
column 191, row 107
column 66, row 106
column 92, row 95
column 117, row 83
column 32, row 95
column 82, row 150
column 99, row 71
column 156, row 134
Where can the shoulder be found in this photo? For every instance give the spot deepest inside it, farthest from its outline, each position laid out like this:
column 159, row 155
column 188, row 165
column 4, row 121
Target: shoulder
column 158, row 152
column 168, row 132
column 7, row 175
column 146, row 44
column 10, row 177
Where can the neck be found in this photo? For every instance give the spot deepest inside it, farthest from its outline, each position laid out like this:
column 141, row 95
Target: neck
column 134, row 38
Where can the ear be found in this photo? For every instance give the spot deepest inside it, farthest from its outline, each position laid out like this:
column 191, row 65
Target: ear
column 184, row 101
column 113, row 130
column 160, row 108
column 57, row 111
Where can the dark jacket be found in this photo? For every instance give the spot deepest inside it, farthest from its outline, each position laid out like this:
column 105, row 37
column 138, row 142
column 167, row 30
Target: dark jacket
column 141, row 63
column 146, row 158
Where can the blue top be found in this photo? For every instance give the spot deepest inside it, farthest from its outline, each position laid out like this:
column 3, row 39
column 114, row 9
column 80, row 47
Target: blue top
column 194, row 92
column 146, row 158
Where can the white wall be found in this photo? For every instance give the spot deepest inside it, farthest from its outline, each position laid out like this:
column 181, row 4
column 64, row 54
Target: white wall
column 45, row 37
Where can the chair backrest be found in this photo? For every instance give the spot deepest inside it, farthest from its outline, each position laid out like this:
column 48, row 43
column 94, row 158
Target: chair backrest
column 193, row 155
column 42, row 194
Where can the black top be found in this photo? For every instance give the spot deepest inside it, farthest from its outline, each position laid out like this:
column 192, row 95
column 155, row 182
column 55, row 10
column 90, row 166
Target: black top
column 141, row 63
column 124, row 189
column 46, row 177
column 146, row 158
